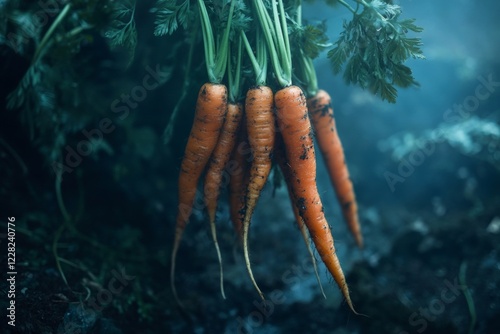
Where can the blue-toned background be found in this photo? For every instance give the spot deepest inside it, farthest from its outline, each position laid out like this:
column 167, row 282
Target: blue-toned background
column 94, row 249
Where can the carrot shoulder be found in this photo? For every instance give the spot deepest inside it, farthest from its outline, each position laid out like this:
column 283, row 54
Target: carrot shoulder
column 293, row 122
column 211, row 107
column 323, row 121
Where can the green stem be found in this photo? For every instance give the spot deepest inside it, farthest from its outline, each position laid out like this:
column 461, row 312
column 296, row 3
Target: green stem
column 234, row 79
column 55, row 243
column 169, row 130
column 253, row 60
column 282, row 41
column 262, row 59
column 272, row 45
column 49, row 32
column 278, row 33
column 284, row 27
column 81, row 197
column 468, row 297
column 215, row 57
column 221, row 63
column 259, row 63
column 76, row 31
column 60, row 201
column 309, row 75
column 208, row 41
column 237, row 81
column 299, row 13
column 346, row 5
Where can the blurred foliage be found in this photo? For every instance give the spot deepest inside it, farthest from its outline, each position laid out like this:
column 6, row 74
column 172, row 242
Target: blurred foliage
column 53, row 96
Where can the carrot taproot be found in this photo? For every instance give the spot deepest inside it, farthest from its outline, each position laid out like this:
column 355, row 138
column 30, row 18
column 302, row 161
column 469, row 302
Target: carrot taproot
column 323, row 121
column 214, row 174
column 238, row 181
column 294, row 124
column 211, row 107
column 279, row 154
column 259, row 109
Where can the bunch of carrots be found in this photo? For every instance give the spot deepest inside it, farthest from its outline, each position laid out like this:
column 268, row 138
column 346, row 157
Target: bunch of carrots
column 277, row 124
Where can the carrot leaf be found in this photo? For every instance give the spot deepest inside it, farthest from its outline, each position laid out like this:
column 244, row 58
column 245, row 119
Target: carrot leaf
column 122, row 30
column 373, row 47
column 309, row 39
column 169, row 16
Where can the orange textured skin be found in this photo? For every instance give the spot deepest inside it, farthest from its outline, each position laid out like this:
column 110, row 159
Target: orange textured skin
column 260, row 126
column 259, row 109
column 211, row 107
column 294, row 124
column 239, row 180
column 220, row 157
column 323, row 121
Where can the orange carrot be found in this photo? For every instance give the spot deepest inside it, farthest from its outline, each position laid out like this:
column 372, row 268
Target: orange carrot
column 220, row 157
column 213, row 176
column 323, row 121
column 260, row 126
column 238, row 181
column 295, row 127
column 211, row 108
column 279, row 154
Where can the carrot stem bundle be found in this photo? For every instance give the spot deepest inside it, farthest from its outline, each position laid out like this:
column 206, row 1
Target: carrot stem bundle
column 215, row 138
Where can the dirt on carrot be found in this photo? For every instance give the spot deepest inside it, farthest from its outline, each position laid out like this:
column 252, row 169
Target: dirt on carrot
column 211, row 108
column 323, row 121
column 293, row 122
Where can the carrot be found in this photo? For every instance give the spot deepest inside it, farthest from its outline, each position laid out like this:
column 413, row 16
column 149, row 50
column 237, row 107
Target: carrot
column 211, row 108
column 260, row 126
column 238, row 182
column 295, row 127
column 279, row 154
column 213, row 176
column 323, row 121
